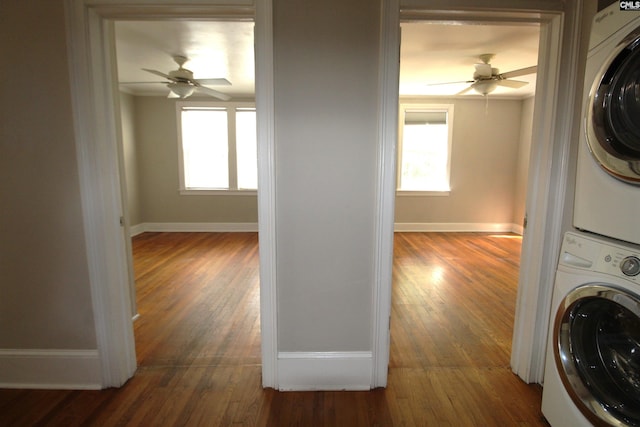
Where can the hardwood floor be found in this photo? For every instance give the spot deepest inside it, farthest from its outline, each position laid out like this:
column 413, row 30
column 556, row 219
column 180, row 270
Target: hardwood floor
column 198, row 344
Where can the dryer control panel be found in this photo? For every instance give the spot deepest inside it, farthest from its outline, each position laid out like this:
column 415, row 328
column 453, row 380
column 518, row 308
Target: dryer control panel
column 591, row 254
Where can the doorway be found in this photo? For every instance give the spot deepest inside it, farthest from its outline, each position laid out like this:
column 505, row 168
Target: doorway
column 446, row 281
column 196, row 223
column 91, row 47
column 544, row 202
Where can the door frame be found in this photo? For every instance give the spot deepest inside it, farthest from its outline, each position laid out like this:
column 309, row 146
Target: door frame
column 553, row 125
column 95, row 102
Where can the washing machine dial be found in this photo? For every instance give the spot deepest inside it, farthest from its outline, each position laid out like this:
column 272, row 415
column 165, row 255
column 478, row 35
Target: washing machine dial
column 630, row 266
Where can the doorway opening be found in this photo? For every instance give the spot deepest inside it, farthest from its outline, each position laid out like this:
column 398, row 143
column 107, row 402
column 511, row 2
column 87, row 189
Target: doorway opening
column 193, row 259
column 476, row 220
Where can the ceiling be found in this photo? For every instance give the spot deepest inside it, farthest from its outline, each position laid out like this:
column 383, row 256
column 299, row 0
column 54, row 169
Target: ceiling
column 215, row 49
column 431, row 54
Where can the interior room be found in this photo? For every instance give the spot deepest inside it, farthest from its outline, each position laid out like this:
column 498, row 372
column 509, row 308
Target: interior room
column 367, row 289
column 214, row 232
column 491, row 138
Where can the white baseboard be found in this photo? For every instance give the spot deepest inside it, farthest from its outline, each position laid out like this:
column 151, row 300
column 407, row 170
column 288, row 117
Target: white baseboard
column 253, row 227
column 457, row 227
column 518, row 229
column 134, row 230
column 219, row 227
column 306, row 371
column 50, row 369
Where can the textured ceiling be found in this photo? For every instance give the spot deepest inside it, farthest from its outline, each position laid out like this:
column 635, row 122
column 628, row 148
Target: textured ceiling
column 431, row 54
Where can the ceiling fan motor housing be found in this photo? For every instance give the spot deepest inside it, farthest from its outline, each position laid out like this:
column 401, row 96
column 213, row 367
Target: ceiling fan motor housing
column 182, row 75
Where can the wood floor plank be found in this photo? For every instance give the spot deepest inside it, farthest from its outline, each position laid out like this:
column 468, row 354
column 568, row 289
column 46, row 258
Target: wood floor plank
column 198, row 343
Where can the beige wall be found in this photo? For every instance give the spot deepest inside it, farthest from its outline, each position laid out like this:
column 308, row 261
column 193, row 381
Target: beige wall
column 130, row 154
column 45, row 301
column 522, row 165
column 325, row 57
column 484, row 167
column 158, row 174
column 488, row 173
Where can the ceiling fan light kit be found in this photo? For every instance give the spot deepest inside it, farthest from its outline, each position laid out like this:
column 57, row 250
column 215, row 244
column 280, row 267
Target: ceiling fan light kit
column 180, row 90
column 484, row 87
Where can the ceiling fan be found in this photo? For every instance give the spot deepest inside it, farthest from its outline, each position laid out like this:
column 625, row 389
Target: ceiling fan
column 182, row 84
column 486, row 78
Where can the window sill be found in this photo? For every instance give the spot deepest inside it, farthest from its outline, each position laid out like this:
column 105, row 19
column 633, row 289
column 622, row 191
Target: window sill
column 214, row 192
column 407, row 193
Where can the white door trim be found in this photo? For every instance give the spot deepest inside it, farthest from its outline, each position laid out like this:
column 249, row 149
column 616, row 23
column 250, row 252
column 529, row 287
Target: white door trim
column 266, row 192
column 389, row 66
column 547, row 190
column 94, row 93
column 97, row 154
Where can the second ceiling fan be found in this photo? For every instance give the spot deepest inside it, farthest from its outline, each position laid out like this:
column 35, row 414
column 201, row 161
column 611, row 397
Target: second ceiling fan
column 487, row 78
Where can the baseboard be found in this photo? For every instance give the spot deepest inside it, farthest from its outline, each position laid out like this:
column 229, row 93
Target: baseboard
column 457, row 227
column 253, row 227
column 212, row 227
column 134, row 230
column 50, row 369
column 518, row 229
column 306, row 371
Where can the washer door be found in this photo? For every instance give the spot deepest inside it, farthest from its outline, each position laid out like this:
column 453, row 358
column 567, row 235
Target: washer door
column 612, row 125
column 597, row 332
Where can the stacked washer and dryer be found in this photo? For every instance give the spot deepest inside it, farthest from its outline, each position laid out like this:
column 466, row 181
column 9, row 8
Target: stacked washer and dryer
column 592, row 372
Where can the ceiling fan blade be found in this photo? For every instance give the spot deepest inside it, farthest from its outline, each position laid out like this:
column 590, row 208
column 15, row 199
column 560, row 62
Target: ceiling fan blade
column 142, row 83
column 213, row 82
column 462, row 92
column 521, row 72
column 450, row 83
column 514, row 84
column 213, row 93
column 172, row 95
column 158, row 73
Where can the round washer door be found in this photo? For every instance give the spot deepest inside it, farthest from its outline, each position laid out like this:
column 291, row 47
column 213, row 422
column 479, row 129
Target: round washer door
column 612, row 125
column 597, row 352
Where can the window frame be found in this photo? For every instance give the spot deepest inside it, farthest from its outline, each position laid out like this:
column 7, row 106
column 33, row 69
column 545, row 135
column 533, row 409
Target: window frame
column 231, row 108
column 408, row 106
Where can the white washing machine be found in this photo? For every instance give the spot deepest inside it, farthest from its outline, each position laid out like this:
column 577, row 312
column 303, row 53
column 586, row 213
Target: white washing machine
column 607, row 199
column 592, row 371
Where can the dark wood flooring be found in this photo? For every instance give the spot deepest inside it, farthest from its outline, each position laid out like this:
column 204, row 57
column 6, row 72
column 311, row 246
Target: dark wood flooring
column 198, row 344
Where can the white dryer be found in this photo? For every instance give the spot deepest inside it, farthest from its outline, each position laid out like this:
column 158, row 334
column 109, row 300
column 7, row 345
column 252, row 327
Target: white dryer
column 607, row 198
column 592, row 371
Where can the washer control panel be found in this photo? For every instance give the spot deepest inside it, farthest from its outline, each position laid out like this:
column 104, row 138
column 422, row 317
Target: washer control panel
column 587, row 253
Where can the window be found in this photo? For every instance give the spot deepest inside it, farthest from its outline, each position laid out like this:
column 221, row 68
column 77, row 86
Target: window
column 425, row 148
column 217, row 146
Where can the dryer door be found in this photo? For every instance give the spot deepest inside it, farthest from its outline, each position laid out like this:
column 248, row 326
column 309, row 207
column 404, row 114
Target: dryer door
column 613, row 127
column 597, row 352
